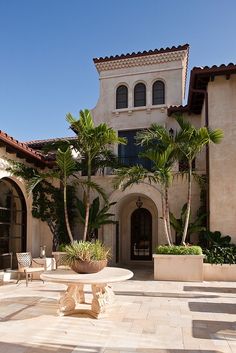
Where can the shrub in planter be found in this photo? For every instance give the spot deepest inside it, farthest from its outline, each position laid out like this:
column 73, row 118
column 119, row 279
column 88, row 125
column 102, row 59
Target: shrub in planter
column 220, row 255
column 86, row 257
column 178, row 250
column 178, row 263
column 209, row 239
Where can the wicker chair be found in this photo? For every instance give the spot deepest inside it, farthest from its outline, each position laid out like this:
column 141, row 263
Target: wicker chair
column 25, row 263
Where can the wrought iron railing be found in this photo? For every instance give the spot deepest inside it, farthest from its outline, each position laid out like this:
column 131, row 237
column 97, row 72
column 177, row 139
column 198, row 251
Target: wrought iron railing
column 130, row 161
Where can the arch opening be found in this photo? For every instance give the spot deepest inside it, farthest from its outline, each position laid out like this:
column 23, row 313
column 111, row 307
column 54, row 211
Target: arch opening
column 141, row 235
column 13, row 218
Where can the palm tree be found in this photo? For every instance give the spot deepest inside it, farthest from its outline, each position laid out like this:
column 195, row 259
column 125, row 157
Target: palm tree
column 195, row 226
column 161, row 174
column 93, row 142
column 190, row 141
column 157, row 138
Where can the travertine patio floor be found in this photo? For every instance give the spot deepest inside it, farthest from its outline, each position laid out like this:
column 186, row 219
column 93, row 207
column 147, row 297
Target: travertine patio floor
column 147, row 317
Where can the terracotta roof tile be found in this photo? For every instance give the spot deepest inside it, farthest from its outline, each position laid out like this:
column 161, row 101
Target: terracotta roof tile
column 24, row 150
column 143, row 53
column 199, row 78
column 40, row 143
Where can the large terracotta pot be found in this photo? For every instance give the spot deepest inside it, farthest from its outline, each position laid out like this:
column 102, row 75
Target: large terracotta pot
column 88, row 267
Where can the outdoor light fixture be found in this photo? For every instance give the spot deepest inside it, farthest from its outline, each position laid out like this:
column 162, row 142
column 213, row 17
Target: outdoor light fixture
column 139, row 203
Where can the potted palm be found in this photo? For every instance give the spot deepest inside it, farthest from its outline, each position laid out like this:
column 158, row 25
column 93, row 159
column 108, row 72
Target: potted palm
column 86, row 257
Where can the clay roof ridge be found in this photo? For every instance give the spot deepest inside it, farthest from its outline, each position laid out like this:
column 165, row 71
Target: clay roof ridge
column 143, row 53
column 21, row 146
column 32, row 142
column 17, row 142
column 213, row 67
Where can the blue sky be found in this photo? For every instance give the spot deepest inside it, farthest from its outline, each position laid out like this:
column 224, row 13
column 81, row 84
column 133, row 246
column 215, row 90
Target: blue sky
column 47, row 47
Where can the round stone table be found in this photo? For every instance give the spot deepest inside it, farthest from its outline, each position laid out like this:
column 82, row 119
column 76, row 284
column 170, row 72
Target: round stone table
column 74, row 294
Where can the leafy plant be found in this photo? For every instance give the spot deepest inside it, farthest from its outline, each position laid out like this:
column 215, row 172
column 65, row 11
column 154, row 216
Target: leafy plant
column 190, row 141
column 178, row 224
column 209, row 239
column 158, row 149
column 220, row 255
column 93, row 145
column 48, row 204
column 97, row 216
column 86, row 251
column 178, row 250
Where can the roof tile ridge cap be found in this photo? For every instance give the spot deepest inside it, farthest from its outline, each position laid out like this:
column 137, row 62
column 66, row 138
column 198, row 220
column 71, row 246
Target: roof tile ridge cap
column 206, row 67
column 145, row 52
column 50, row 139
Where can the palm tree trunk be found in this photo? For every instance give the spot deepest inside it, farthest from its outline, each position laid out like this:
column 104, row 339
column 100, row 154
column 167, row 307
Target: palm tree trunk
column 87, row 201
column 66, row 214
column 168, row 214
column 188, row 203
column 164, row 219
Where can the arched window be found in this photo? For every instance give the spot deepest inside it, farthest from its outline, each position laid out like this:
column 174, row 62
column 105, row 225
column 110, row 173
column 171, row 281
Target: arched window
column 140, row 95
column 122, row 97
column 158, row 93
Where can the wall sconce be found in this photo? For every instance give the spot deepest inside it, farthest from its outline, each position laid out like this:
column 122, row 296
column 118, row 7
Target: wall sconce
column 139, row 203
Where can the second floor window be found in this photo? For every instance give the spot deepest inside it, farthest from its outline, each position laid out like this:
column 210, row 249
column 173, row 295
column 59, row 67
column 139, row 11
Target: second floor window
column 158, row 93
column 122, row 97
column 140, row 95
column 128, row 154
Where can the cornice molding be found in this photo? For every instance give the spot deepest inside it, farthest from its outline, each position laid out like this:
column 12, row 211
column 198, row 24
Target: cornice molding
column 142, row 60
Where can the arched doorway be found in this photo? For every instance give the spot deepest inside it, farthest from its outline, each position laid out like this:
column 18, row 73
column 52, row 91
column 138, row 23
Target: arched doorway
column 141, row 235
column 12, row 220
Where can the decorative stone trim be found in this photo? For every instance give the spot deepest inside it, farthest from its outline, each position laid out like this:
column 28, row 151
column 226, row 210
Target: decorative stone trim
column 130, row 111
column 141, row 61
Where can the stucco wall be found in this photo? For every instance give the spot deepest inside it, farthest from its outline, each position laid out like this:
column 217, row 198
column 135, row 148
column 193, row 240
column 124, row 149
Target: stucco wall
column 126, row 204
column 222, row 114
column 137, row 117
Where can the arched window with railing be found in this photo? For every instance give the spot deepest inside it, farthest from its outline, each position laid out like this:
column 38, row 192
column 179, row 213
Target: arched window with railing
column 121, row 97
column 158, row 93
column 140, row 95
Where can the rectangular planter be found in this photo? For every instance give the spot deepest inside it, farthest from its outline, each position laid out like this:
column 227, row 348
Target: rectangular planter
column 178, row 267
column 215, row 272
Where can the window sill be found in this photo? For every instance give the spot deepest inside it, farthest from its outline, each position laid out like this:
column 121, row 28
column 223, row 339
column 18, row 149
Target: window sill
column 131, row 110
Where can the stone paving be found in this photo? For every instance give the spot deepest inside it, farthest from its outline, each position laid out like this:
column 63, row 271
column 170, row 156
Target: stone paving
column 147, row 317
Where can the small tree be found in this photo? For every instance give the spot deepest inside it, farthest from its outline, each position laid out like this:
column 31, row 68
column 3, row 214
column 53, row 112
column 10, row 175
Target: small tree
column 190, row 141
column 178, row 224
column 159, row 149
column 93, row 143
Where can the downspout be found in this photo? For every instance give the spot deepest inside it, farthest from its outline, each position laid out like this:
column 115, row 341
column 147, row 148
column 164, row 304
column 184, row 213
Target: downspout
column 207, row 154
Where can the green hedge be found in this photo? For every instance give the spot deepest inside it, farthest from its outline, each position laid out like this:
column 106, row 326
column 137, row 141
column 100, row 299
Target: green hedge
column 178, row 250
column 220, row 255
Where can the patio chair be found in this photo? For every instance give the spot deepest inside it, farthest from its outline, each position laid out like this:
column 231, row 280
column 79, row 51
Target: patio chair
column 25, row 263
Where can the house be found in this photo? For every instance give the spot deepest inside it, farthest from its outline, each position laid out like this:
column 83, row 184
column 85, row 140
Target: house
column 136, row 90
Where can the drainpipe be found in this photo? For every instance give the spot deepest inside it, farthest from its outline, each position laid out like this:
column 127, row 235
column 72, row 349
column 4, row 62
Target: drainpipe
column 207, row 154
